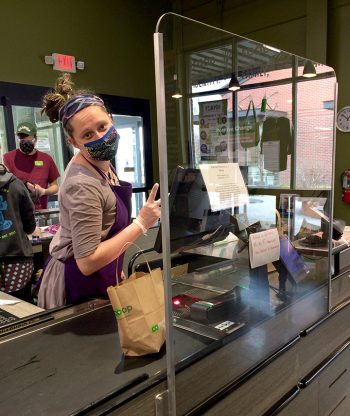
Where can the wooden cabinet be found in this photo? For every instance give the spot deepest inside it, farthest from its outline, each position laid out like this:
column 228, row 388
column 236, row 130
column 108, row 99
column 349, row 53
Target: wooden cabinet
column 340, row 289
column 324, row 391
column 316, row 369
column 334, row 385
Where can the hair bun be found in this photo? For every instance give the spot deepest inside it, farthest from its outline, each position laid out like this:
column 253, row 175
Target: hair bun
column 54, row 100
column 64, row 85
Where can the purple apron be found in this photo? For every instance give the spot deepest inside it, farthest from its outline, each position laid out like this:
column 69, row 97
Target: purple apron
column 80, row 287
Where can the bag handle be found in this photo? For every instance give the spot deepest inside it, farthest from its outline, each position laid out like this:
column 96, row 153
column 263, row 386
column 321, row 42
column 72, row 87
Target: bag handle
column 251, row 104
column 248, row 109
column 120, row 252
column 254, row 112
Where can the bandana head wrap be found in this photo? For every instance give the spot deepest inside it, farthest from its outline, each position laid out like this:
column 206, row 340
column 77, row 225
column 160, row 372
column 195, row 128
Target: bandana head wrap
column 76, row 104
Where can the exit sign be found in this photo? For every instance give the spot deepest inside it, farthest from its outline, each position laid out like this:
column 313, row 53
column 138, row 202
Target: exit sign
column 65, row 63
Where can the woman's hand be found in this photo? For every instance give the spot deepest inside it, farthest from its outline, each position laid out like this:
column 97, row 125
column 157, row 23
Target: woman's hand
column 150, row 212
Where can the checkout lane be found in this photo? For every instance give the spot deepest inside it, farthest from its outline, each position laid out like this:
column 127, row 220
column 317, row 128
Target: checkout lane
column 84, row 349
column 75, row 361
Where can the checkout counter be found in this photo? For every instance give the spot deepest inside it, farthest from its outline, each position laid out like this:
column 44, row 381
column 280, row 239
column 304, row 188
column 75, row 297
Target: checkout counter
column 17, row 307
column 68, row 361
column 47, row 223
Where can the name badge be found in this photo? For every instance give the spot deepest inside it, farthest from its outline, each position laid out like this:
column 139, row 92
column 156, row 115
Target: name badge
column 39, row 163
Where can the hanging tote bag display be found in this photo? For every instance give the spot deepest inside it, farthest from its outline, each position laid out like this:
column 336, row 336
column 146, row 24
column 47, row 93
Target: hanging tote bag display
column 138, row 305
column 248, row 128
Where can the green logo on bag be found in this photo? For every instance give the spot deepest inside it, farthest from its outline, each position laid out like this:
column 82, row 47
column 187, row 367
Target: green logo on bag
column 155, row 328
column 120, row 312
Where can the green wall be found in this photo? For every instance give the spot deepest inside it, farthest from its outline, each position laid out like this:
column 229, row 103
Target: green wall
column 113, row 37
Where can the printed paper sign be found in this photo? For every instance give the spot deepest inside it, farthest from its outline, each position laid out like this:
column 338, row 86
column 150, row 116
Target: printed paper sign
column 43, row 142
column 264, row 247
column 225, row 185
column 213, row 130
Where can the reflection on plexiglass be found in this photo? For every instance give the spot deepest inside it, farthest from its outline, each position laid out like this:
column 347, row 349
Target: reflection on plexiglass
column 264, row 254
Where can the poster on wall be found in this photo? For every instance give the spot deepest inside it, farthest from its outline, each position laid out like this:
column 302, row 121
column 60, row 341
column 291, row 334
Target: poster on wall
column 43, row 142
column 213, row 130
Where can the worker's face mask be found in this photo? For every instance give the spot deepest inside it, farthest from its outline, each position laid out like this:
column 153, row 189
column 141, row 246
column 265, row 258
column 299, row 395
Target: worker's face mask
column 105, row 148
column 27, row 146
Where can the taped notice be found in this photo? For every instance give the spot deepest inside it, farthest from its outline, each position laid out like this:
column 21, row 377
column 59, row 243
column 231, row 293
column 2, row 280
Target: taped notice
column 225, row 185
column 264, row 247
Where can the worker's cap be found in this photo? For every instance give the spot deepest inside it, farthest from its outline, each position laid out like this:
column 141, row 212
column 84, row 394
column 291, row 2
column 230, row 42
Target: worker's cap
column 26, row 128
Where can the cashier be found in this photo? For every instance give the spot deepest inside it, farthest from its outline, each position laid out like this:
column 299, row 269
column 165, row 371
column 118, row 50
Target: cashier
column 95, row 205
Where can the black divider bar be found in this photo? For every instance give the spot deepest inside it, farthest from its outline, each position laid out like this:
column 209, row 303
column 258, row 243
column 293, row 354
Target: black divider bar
column 283, row 402
column 310, row 377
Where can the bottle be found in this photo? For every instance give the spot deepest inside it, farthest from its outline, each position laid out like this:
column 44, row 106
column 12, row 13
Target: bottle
column 262, row 114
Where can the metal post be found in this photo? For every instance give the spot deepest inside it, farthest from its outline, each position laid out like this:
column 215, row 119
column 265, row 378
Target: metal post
column 163, row 175
column 331, row 205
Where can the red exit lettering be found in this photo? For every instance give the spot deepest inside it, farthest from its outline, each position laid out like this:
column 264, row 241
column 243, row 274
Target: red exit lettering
column 64, row 62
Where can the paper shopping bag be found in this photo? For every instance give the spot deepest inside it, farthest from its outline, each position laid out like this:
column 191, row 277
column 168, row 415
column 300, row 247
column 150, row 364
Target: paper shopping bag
column 248, row 128
column 138, row 305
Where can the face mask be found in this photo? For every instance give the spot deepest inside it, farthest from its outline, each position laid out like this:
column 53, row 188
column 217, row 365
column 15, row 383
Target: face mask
column 27, row 146
column 104, row 148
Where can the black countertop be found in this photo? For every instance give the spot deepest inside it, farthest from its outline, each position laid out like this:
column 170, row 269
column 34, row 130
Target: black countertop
column 65, row 366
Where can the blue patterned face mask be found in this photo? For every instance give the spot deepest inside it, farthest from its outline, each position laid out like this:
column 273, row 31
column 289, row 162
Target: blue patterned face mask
column 105, row 148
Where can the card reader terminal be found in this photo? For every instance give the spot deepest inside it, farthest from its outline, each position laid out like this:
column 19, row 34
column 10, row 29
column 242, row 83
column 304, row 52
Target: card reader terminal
column 218, row 307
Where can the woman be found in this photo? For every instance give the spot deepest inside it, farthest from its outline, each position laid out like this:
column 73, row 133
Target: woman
column 16, row 221
column 94, row 204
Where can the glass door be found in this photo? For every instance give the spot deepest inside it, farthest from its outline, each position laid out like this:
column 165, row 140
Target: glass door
column 3, row 139
column 130, row 158
column 48, row 135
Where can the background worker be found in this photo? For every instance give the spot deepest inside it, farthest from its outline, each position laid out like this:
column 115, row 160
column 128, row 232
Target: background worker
column 33, row 167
